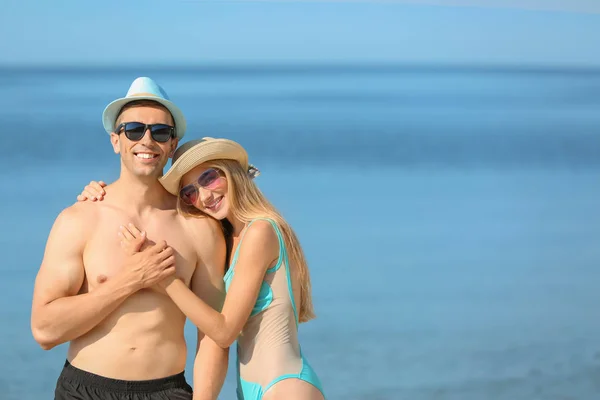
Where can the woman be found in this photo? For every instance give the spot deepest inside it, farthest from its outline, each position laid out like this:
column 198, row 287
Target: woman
column 267, row 283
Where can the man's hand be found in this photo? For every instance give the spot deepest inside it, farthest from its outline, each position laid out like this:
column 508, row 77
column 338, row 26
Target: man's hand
column 155, row 264
column 60, row 312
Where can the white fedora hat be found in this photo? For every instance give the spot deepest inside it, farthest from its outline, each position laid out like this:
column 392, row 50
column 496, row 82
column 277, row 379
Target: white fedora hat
column 144, row 88
column 195, row 152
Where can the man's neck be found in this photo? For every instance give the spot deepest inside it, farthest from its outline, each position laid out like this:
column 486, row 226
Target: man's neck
column 139, row 194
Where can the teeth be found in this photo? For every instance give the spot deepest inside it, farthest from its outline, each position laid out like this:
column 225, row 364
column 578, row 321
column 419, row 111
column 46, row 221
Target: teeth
column 145, row 155
column 214, row 204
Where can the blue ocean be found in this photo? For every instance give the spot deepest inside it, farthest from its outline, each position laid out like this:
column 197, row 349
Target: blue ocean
column 449, row 215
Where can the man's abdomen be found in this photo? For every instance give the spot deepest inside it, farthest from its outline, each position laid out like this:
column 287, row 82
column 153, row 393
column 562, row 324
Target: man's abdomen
column 142, row 339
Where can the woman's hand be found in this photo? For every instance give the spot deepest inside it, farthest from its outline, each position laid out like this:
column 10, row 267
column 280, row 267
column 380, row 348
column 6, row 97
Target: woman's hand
column 132, row 241
column 94, row 191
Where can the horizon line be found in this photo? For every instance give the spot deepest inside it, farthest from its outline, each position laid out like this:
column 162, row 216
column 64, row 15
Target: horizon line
column 589, row 7
column 300, row 66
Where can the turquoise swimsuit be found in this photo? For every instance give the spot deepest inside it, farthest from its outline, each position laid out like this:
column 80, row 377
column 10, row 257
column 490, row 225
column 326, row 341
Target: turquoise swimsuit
column 267, row 349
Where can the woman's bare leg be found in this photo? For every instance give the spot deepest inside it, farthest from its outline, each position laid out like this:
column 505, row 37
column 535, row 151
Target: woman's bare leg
column 293, row 389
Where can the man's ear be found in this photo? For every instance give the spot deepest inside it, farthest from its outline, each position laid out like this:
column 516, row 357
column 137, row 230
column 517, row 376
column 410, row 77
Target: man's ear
column 114, row 140
column 174, row 143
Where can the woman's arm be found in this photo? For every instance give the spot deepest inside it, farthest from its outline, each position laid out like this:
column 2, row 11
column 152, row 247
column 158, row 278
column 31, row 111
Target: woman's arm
column 259, row 249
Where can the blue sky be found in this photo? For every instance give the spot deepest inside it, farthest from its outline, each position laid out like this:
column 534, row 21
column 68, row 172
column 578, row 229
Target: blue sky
column 74, row 32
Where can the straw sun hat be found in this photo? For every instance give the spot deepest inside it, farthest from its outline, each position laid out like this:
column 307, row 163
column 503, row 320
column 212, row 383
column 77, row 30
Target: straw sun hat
column 198, row 151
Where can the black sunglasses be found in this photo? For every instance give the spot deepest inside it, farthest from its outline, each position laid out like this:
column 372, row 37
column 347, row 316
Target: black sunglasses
column 136, row 130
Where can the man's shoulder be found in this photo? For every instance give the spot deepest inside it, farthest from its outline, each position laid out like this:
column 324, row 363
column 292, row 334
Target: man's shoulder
column 205, row 236
column 202, row 231
column 81, row 210
column 76, row 216
column 201, row 224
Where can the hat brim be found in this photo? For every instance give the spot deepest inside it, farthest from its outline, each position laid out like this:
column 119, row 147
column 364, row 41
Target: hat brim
column 109, row 115
column 199, row 153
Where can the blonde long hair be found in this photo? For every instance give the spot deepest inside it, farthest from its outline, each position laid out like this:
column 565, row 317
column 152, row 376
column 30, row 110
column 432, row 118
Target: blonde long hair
column 247, row 202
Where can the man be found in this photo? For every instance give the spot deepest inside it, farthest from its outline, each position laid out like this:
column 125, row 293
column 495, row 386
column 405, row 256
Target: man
column 126, row 337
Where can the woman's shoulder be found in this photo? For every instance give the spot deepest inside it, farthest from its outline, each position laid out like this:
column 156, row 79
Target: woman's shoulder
column 260, row 243
column 263, row 229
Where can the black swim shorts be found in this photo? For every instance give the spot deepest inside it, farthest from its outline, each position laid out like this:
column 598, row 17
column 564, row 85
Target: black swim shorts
column 75, row 383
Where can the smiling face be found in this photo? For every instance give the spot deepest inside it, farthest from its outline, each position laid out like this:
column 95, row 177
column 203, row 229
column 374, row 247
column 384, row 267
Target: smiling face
column 206, row 188
column 145, row 157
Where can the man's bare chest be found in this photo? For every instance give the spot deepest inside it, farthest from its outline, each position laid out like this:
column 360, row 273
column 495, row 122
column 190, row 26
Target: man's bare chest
column 104, row 257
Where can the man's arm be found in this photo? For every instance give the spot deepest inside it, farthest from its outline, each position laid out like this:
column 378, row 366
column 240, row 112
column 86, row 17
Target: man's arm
column 59, row 313
column 210, row 365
